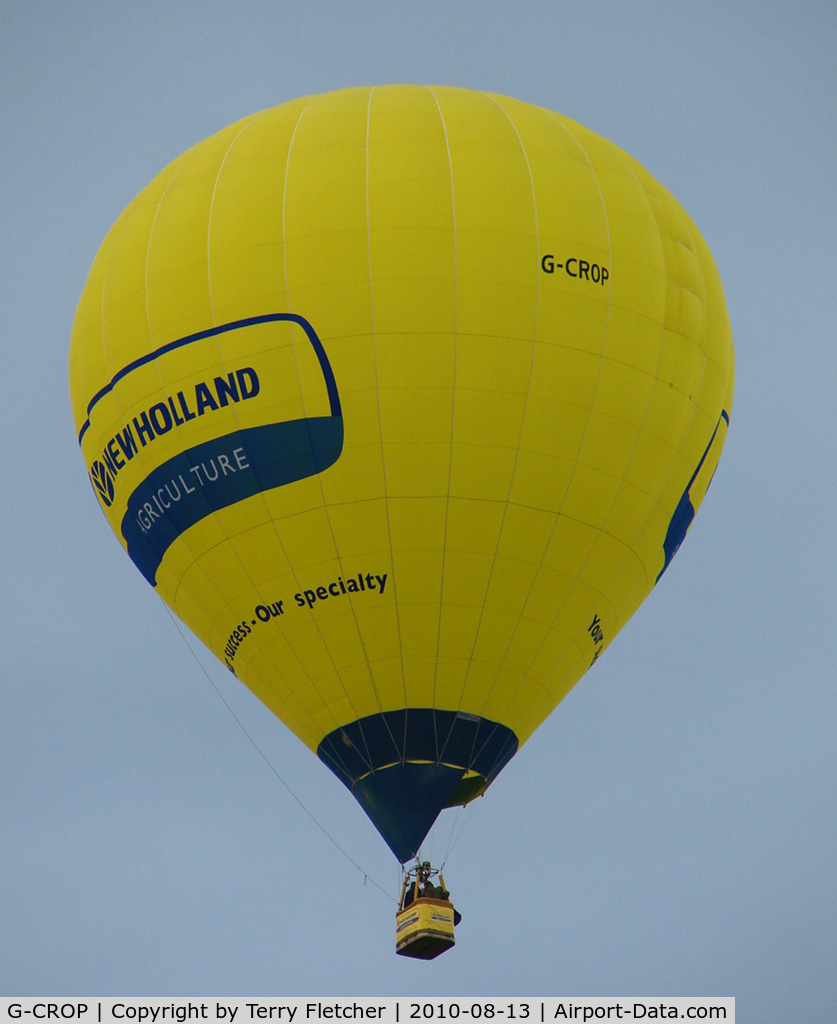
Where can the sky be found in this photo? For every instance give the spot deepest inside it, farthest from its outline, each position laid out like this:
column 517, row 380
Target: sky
column 671, row 828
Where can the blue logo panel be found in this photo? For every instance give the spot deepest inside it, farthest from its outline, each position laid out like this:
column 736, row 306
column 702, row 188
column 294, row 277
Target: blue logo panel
column 221, row 472
column 217, row 473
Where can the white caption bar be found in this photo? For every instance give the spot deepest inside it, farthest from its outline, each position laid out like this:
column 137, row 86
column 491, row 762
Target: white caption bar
column 534, row 1010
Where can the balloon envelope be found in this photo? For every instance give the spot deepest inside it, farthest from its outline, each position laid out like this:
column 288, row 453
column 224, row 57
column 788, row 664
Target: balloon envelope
column 403, row 399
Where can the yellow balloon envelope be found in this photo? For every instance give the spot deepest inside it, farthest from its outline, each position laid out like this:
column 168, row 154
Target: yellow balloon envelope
column 403, row 399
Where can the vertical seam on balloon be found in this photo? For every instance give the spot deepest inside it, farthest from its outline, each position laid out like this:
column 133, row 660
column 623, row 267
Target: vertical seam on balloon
column 525, row 675
column 325, row 704
column 229, row 540
column 227, row 152
column 402, row 749
column 519, row 434
column 641, row 529
column 285, row 683
column 367, row 759
column 600, row 529
column 549, row 632
column 630, row 549
column 452, row 414
column 273, row 521
column 703, row 350
column 105, row 360
column 609, row 293
column 194, row 558
column 147, row 259
column 105, row 277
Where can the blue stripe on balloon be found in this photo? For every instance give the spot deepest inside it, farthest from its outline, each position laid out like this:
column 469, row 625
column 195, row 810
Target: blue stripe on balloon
column 179, row 493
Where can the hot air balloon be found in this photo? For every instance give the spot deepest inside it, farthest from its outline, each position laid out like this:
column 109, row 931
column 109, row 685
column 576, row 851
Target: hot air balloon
column 403, row 399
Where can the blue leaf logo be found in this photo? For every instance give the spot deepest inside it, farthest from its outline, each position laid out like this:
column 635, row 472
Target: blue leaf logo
column 102, row 479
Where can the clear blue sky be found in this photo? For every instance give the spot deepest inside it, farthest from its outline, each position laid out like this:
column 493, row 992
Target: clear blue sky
column 671, row 829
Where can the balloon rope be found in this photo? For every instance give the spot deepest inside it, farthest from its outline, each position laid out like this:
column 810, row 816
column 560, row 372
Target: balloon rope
column 462, row 819
column 266, row 759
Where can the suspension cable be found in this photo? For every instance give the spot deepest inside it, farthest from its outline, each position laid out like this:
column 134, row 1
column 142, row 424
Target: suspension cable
column 270, row 765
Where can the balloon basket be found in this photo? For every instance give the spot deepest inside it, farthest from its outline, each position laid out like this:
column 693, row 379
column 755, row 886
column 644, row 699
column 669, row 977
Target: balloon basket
column 425, row 929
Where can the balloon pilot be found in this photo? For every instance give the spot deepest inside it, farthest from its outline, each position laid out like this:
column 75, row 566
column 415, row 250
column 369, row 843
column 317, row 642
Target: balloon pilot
column 426, row 917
